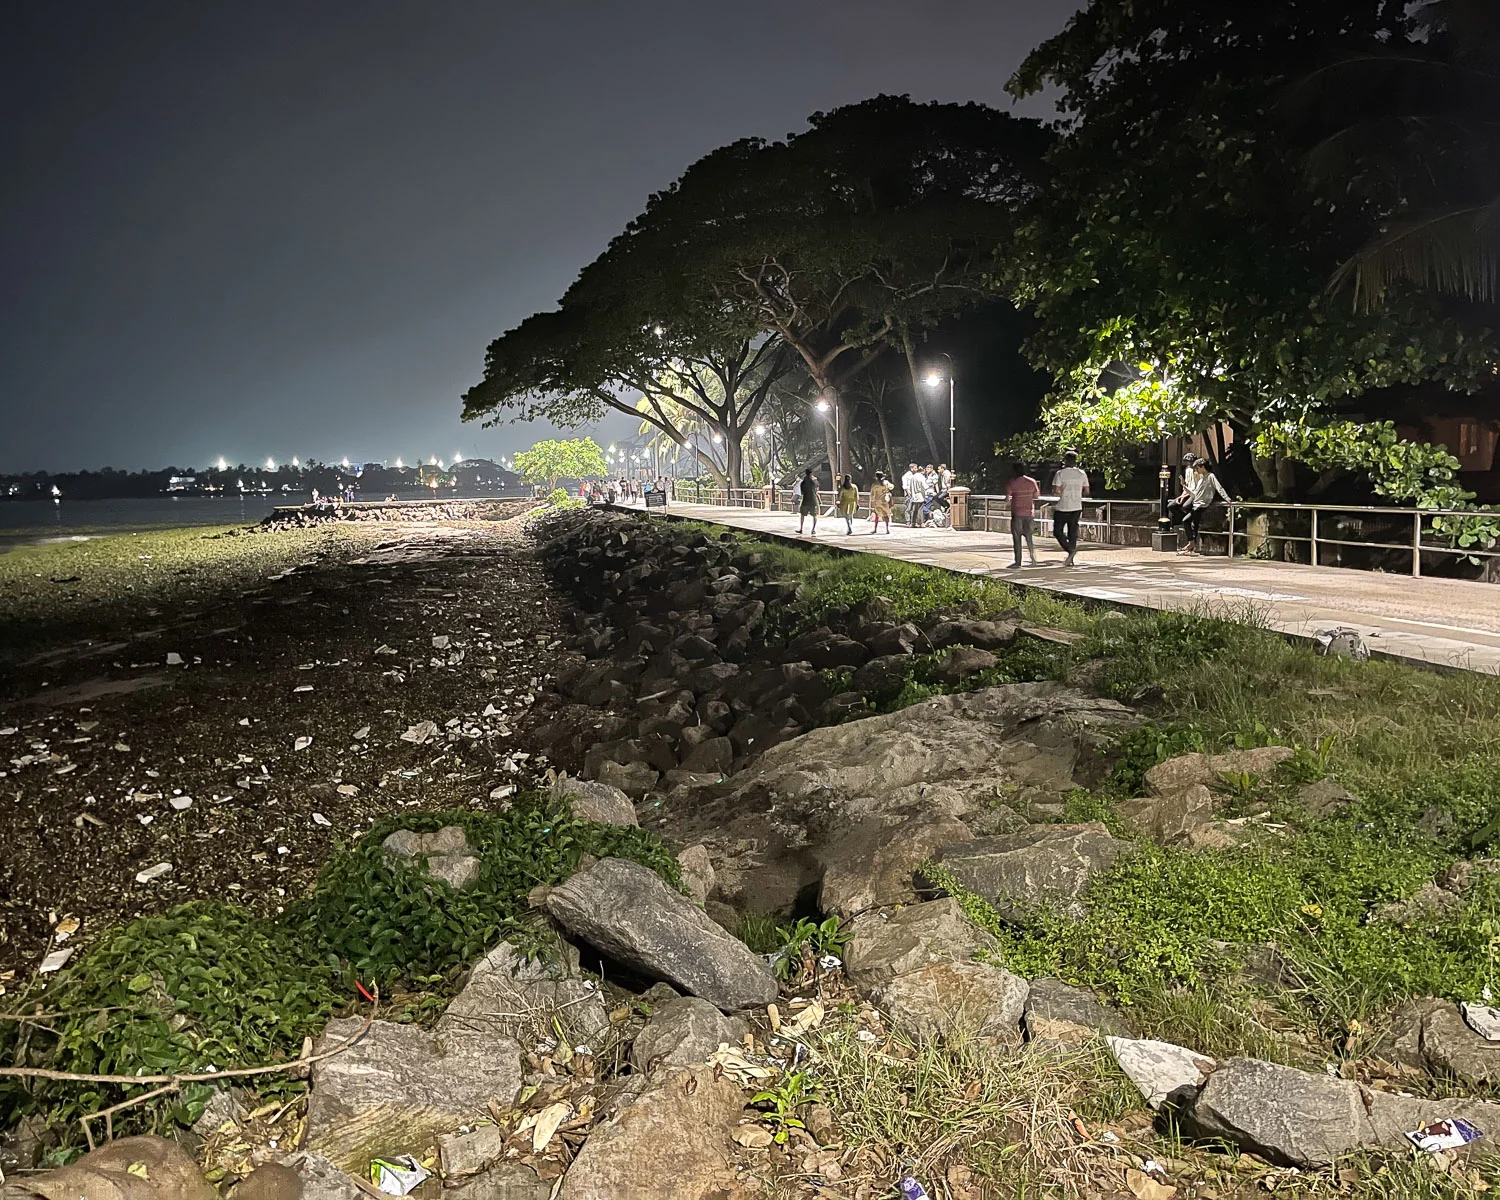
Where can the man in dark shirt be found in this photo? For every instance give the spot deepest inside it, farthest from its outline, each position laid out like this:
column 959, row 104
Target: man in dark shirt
column 807, row 502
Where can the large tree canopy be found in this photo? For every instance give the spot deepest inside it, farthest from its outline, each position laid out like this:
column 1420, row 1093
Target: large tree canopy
column 1182, row 249
column 865, row 230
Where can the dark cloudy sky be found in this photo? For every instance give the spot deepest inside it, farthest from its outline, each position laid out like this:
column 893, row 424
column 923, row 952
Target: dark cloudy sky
column 290, row 227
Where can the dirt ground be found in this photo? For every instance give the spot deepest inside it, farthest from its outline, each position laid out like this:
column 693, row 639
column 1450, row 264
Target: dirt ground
column 238, row 729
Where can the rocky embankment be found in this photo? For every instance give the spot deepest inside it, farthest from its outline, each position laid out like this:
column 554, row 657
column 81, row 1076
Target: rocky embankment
column 653, row 1055
column 311, row 516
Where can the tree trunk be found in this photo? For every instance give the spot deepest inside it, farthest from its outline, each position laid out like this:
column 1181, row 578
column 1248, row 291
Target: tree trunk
column 885, row 441
column 734, row 456
column 916, row 394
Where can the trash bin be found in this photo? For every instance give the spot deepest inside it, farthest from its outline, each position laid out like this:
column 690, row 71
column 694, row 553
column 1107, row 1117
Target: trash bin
column 958, row 498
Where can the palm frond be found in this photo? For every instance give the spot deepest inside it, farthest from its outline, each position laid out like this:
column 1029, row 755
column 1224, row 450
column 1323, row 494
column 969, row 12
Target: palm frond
column 1457, row 252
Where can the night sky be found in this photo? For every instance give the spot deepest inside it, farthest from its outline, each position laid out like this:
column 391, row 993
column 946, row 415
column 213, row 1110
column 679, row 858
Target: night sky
column 279, row 228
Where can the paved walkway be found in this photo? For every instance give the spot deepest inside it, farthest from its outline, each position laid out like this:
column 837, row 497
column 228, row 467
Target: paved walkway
column 1440, row 622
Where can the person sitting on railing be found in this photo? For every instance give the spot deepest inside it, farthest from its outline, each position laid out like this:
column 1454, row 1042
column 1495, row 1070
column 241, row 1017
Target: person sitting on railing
column 1205, row 487
column 1177, row 507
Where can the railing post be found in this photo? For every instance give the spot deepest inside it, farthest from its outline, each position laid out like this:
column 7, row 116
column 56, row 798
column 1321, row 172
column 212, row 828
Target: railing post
column 1314, row 537
column 1109, row 523
column 1416, row 544
column 1231, row 530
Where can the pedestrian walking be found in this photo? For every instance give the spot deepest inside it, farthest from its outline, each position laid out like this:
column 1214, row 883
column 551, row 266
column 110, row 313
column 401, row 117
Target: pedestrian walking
column 1204, row 488
column 1022, row 492
column 848, row 502
column 1071, row 485
column 914, row 488
column 880, row 502
column 807, row 505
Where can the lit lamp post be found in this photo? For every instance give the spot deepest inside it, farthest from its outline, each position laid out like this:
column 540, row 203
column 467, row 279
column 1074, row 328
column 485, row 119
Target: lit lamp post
column 935, row 379
column 825, row 406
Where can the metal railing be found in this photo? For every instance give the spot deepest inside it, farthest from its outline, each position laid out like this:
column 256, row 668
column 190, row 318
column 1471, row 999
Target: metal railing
column 1317, row 534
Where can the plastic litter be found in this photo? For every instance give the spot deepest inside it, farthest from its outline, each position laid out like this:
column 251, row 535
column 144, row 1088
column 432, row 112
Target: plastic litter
column 1342, row 643
column 397, row 1176
column 56, row 960
column 1444, row 1135
column 912, row 1190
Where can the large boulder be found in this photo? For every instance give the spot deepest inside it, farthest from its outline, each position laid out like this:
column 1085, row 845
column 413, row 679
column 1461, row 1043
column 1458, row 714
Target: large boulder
column 592, row 800
column 1307, row 1120
column 882, row 946
column 983, row 635
column 697, row 872
column 945, row 999
column 133, row 1168
column 883, row 676
column 1169, row 819
column 873, row 865
column 397, row 1086
column 672, row 1142
column 632, row 778
column 683, row 1032
column 1188, row 770
column 1163, row 1073
column 1041, row 865
column 1068, row 1016
column 1451, row 1048
column 962, row 661
column 444, row 854
column 628, row 914
column 510, row 996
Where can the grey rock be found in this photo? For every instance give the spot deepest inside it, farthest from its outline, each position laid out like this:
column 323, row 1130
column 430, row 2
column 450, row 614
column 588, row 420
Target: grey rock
column 510, row 996
column 1063, row 1015
column 1168, row 819
column 1323, row 797
column 627, row 913
column 463, row 1154
column 1186, row 770
column 1161, row 1071
column 1281, row 1113
column 447, row 854
column 671, row 1142
column 945, row 999
column 882, row 676
column 1423, row 907
column 398, row 1086
column 633, row 778
column 592, row 800
column 712, row 756
column 962, row 661
column 1043, row 864
column 883, row 946
column 503, row 1181
column 983, row 635
column 873, row 866
column 895, row 640
column 316, row 1176
column 1450, row 1047
column 683, row 1032
column 697, row 872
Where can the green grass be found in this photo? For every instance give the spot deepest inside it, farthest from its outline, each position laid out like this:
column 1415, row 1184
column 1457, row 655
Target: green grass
column 122, row 577
column 210, row 986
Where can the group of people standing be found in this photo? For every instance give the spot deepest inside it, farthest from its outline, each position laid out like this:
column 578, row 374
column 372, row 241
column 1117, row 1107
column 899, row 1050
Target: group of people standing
column 923, row 488
column 1071, row 484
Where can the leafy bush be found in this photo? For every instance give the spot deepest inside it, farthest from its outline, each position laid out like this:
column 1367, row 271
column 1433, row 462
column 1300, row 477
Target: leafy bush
column 206, row 986
column 393, row 923
column 1143, row 748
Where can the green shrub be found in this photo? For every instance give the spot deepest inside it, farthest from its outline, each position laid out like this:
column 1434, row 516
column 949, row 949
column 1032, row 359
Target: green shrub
column 205, row 986
column 392, row 924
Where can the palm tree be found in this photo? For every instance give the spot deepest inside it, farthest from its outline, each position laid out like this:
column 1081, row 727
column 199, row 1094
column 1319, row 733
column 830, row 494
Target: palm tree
column 1416, row 131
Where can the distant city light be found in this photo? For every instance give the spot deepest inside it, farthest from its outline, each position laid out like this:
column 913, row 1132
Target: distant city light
column 399, row 467
column 270, row 464
column 457, row 457
column 295, row 463
column 223, row 466
column 346, row 461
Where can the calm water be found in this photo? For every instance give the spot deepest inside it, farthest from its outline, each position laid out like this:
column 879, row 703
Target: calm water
column 23, row 521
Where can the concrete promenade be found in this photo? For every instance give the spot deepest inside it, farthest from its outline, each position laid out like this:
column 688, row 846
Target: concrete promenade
column 1439, row 622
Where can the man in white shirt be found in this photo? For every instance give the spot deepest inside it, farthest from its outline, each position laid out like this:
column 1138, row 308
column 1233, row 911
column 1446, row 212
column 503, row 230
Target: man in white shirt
column 1071, row 485
column 914, row 488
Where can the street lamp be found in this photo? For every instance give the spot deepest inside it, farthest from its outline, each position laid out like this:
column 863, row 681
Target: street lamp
column 825, row 406
column 935, row 379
